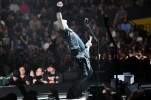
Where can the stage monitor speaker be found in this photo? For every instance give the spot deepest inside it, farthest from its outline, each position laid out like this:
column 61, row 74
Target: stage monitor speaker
column 131, row 88
column 146, row 88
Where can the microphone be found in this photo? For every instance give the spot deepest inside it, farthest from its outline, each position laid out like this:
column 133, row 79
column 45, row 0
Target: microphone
column 86, row 20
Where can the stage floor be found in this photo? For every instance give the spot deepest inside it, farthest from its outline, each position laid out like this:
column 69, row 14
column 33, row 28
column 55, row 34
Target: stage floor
column 44, row 90
column 62, row 96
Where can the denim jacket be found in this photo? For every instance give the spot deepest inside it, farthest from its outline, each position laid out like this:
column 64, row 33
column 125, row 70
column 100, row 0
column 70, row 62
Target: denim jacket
column 73, row 40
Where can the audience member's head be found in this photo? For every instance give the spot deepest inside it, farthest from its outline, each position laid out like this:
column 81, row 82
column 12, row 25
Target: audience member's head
column 50, row 68
column 10, row 96
column 30, row 97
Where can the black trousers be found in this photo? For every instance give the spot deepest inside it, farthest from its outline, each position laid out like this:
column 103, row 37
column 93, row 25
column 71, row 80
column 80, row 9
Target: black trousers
column 75, row 91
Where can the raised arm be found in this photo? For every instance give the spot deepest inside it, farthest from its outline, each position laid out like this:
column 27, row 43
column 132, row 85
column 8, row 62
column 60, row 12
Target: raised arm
column 59, row 15
column 62, row 23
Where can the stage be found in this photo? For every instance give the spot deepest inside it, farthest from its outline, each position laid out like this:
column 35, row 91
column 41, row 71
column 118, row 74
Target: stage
column 44, row 90
column 62, row 96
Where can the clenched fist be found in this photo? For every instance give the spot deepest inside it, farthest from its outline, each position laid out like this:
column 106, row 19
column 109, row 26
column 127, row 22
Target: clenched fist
column 60, row 4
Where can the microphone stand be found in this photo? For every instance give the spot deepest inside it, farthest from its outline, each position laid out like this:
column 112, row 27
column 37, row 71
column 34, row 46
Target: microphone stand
column 98, row 52
column 115, row 56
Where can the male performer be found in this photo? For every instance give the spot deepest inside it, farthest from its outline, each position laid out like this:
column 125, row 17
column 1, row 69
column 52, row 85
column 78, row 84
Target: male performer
column 79, row 53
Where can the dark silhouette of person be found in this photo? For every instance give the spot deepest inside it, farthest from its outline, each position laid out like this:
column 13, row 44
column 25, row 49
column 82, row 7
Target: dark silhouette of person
column 79, row 54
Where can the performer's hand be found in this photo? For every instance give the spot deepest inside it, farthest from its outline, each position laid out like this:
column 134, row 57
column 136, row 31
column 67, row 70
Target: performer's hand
column 88, row 44
column 60, row 4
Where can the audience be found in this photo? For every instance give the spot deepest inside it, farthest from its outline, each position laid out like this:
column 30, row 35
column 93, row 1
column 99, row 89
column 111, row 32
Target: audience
column 10, row 96
column 50, row 74
column 120, row 14
column 39, row 76
column 27, row 36
column 136, row 95
column 21, row 77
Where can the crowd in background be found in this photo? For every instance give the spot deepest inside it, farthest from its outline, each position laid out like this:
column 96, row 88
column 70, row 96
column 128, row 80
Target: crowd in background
column 27, row 37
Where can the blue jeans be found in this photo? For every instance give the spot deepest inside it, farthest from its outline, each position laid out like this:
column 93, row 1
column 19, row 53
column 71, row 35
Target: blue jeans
column 76, row 89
